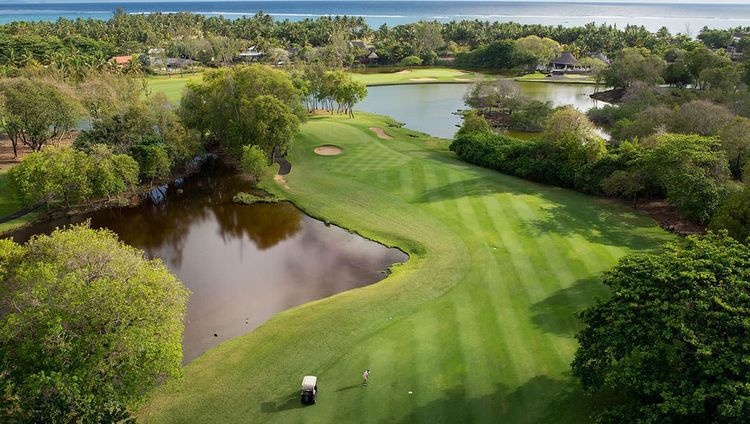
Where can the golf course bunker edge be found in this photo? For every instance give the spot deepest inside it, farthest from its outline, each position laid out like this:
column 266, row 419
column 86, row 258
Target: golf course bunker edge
column 328, row 150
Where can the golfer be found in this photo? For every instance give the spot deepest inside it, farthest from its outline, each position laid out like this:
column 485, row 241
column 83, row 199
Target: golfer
column 365, row 377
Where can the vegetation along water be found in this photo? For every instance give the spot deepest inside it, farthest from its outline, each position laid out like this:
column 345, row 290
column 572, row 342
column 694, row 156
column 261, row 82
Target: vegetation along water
column 452, row 212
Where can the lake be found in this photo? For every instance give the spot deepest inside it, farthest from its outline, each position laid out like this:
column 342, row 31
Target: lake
column 430, row 108
column 243, row 264
column 684, row 17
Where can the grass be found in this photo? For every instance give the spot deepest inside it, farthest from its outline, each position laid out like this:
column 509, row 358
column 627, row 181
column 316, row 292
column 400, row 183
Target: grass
column 172, row 86
column 477, row 326
column 417, row 76
column 564, row 79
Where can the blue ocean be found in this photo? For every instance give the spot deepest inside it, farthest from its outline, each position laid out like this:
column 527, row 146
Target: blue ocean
column 683, row 18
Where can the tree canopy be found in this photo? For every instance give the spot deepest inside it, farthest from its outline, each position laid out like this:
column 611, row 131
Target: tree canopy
column 87, row 326
column 244, row 105
column 671, row 340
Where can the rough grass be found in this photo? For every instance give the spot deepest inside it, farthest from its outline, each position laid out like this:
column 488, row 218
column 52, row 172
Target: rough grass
column 478, row 325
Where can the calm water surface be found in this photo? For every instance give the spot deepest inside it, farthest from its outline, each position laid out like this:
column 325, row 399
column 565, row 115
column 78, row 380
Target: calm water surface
column 430, row 108
column 243, row 264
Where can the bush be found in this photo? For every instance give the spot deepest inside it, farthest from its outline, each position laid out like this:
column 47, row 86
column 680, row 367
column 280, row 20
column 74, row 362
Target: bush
column 243, row 198
column 411, row 61
column 254, row 161
column 734, row 216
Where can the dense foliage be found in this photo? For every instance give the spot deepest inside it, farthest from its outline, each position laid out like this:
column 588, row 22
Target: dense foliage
column 36, row 112
column 254, row 161
column 63, row 174
column 87, row 326
column 671, row 340
column 689, row 170
column 734, row 216
column 244, row 105
column 72, row 45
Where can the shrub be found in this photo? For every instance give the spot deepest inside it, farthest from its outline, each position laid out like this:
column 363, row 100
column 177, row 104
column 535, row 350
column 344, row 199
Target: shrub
column 411, row 61
column 254, row 161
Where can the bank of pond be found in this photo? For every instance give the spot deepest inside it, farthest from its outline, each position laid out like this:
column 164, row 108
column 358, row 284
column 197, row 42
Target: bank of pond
column 243, row 264
column 432, row 108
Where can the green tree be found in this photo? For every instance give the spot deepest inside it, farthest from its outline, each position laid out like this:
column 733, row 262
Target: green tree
column 63, row 174
column 87, row 326
column 690, row 169
column 37, row 112
column 626, row 184
column 572, row 134
column 734, row 216
column 254, row 161
column 671, row 340
column 349, row 94
column 735, row 141
column 243, row 105
column 543, row 50
column 632, row 66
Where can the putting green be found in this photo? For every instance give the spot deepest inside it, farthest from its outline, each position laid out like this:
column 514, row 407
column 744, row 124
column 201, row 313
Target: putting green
column 476, row 327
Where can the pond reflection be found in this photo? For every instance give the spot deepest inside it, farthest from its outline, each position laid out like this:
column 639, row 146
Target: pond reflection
column 243, row 264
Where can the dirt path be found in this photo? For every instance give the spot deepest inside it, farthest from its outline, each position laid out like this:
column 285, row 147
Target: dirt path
column 380, row 133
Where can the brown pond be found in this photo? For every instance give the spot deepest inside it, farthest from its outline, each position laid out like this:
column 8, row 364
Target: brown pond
column 243, row 264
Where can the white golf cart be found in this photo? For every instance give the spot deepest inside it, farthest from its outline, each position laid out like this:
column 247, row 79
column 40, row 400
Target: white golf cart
column 309, row 390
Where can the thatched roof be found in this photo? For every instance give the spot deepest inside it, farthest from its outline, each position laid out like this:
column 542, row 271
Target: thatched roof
column 566, row 59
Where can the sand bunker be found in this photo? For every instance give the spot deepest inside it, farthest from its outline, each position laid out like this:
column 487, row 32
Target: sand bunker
column 380, row 133
column 328, row 150
column 464, row 79
column 423, row 79
column 405, row 71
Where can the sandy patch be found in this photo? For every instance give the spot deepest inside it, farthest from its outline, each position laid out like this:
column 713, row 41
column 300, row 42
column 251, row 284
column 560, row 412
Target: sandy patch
column 463, row 79
column 380, row 133
column 281, row 181
column 423, row 79
column 405, row 71
column 328, row 150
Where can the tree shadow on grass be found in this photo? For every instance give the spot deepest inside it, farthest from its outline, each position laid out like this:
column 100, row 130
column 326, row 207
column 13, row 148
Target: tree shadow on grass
column 540, row 400
column 598, row 222
column 283, row 403
column 558, row 314
column 563, row 212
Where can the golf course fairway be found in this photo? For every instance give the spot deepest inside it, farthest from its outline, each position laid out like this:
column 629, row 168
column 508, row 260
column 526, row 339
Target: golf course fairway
column 478, row 325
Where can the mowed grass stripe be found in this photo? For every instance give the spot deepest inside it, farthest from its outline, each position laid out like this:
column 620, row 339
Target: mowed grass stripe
column 474, row 324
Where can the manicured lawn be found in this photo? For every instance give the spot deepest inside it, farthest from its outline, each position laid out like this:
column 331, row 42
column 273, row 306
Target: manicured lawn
column 171, row 86
column 418, row 76
column 476, row 327
column 565, row 79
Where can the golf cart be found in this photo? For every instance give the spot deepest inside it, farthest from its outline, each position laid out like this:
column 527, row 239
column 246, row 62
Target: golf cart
column 309, row 390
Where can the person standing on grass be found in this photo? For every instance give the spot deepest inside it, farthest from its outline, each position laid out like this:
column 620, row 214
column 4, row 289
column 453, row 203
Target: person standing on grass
column 365, row 377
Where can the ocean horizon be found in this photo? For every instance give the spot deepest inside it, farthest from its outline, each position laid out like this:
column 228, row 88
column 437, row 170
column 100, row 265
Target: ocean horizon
column 687, row 18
